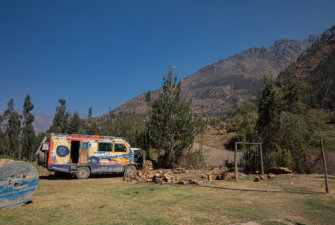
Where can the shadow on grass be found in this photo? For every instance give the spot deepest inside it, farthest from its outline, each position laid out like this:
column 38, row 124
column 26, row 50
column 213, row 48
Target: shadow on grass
column 331, row 177
column 66, row 176
column 255, row 190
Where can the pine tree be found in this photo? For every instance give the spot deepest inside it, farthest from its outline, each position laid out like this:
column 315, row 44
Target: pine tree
column 60, row 121
column 171, row 123
column 74, row 124
column 12, row 129
column 28, row 135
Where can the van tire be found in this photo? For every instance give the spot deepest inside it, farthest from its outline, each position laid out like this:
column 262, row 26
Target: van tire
column 83, row 172
column 41, row 158
column 129, row 171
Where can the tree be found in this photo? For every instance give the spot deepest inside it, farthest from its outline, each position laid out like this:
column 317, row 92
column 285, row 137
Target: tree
column 287, row 130
column 28, row 135
column 12, row 129
column 74, row 124
column 60, row 121
column 90, row 126
column 170, row 125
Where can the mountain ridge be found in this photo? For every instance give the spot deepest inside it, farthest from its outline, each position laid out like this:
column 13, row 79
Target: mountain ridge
column 218, row 88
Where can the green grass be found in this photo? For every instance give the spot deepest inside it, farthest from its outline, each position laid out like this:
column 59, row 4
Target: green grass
column 111, row 201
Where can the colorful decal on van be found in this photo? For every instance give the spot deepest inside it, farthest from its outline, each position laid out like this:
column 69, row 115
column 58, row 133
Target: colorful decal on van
column 60, row 156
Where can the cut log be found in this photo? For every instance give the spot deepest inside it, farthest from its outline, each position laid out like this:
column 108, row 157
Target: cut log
column 271, row 176
column 182, row 182
column 257, row 179
column 228, row 176
column 18, row 182
column 158, row 181
column 210, row 177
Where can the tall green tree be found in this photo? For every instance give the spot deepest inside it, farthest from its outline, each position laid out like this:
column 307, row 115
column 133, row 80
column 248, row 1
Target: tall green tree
column 60, row 121
column 170, row 126
column 90, row 126
column 287, row 130
column 74, row 124
column 28, row 135
column 13, row 128
column 2, row 138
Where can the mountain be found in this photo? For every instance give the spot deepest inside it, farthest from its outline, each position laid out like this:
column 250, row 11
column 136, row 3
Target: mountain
column 316, row 67
column 42, row 122
column 218, row 88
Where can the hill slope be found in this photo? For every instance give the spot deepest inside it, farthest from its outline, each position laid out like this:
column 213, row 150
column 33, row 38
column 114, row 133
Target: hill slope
column 218, row 88
column 316, row 66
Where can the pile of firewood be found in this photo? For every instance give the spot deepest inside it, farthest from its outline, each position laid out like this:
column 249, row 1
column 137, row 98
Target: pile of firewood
column 220, row 176
column 279, row 170
column 158, row 177
column 147, row 166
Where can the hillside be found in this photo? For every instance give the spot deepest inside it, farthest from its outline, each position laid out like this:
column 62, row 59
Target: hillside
column 218, row 88
column 316, row 66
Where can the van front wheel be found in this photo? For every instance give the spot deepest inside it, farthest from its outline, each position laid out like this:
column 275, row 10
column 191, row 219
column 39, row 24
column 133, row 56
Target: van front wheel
column 83, row 173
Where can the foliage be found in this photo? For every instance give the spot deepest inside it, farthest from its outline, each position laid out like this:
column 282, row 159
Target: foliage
column 171, row 124
column 12, row 132
column 322, row 84
column 90, row 126
column 288, row 131
column 60, row 121
column 28, row 135
column 127, row 125
column 74, row 124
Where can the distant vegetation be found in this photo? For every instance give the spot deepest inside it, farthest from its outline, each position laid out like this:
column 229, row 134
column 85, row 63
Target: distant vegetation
column 17, row 135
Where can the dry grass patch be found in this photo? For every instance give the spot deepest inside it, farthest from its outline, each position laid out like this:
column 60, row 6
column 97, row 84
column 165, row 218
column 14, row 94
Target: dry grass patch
column 111, row 201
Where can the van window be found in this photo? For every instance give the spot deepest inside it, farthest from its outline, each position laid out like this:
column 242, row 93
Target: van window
column 105, row 147
column 120, row 148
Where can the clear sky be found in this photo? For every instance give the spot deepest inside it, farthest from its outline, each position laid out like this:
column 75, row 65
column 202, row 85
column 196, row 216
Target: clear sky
column 103, row 53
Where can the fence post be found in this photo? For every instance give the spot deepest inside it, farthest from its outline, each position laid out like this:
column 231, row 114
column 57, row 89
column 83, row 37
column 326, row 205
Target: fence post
column 235, row 157
column 324, row 165
column 262, row 166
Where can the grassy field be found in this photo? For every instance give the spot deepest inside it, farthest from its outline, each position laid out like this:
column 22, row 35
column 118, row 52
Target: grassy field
column 109, row 200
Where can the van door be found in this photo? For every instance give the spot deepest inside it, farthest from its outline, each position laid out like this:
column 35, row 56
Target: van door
column 83, row 153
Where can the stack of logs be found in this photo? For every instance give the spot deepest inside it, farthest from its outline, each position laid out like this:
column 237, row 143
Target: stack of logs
column 279, row 170
column 220, row 176
column 158, row 177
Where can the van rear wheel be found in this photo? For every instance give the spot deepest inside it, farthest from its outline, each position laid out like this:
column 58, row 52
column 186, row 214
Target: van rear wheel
column 83, row 172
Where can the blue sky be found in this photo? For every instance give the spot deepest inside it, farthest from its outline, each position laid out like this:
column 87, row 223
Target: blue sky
column 103, row 53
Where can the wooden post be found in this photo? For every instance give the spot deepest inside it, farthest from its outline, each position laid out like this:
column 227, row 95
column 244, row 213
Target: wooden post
column 325, row 165
column 261, row 151
column 235, row 158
